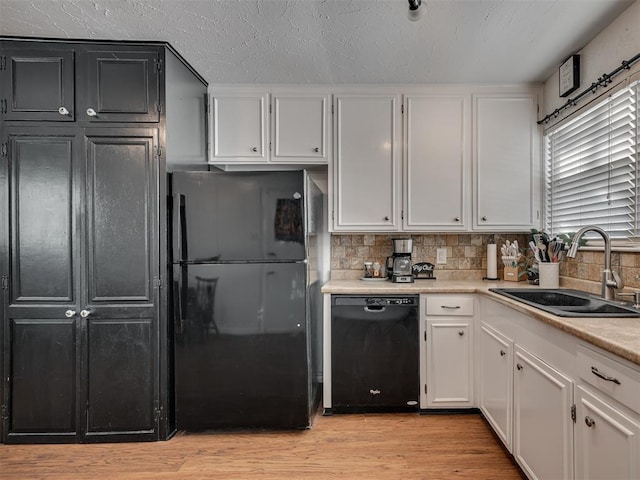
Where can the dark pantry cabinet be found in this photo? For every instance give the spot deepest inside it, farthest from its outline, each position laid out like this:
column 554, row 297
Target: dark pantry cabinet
column 85, row 148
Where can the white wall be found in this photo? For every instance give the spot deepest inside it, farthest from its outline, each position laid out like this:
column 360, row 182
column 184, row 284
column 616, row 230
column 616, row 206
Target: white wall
column 619, row 41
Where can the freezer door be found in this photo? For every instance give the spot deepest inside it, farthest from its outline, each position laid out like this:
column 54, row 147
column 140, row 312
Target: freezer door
column 238, row 216
column 241, row 346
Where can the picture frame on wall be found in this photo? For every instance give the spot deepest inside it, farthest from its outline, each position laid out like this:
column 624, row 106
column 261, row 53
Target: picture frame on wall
column 569, row 75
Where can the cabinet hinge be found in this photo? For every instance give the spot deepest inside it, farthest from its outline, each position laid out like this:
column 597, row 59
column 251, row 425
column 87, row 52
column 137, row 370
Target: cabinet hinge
column 5, row 282
column 269, row 109
column 4, row 150
column 157, row 282
column 159, row 151
column 3, row 62
column 332, row 109
column 3, row 412
column 269, row 146
column 402, row 214
column 425, row 336
column 402, row 108
column 3, row 106
column 573, row 413
column 157, row 412
column 159, row 107
column 159, row 65
column 425, row 388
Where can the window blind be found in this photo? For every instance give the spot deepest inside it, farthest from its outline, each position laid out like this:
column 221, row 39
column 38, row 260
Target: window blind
column 591, row 174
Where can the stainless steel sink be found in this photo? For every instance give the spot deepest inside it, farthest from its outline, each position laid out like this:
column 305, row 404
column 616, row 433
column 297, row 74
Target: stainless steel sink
column 568, row 303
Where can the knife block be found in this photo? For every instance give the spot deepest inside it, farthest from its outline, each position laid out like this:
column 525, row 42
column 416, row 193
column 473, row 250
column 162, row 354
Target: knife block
column 511, row 274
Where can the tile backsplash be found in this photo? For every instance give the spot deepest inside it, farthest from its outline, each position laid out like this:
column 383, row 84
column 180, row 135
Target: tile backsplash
column 466, row 253
column 467, row 257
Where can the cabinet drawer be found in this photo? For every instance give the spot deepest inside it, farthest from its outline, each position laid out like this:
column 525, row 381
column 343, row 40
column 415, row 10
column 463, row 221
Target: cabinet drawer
column 449, row 305
column 610, row 376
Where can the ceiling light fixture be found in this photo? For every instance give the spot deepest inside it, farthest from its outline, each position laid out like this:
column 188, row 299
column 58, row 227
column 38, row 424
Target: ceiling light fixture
column 415, row 13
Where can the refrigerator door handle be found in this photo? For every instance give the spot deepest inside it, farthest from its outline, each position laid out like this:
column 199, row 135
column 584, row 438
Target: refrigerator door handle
column 180, row 295
column 179, row 228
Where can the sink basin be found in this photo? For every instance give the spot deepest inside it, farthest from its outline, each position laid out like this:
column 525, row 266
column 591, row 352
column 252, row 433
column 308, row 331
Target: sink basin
column 568, row 303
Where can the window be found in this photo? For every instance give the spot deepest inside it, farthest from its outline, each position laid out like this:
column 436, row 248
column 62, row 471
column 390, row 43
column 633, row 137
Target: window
column 591, row 168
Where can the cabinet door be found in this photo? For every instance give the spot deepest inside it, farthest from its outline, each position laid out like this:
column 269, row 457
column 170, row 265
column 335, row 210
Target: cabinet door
column 120, row 308
column 543, row 428
column 496, row 388
column 449, row 363
column 607, row 441
column 366, row 164
column 37, row 84
column 506, row 156
column 436, row 162
column 41, row 337
column 240, row 123
column 300, row 128
column 119, row 85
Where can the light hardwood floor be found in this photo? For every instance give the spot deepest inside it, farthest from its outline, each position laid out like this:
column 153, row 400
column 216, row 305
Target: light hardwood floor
column 356, row 446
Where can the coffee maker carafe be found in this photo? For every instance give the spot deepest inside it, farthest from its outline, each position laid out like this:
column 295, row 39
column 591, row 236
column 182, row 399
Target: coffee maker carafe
column 399, row 264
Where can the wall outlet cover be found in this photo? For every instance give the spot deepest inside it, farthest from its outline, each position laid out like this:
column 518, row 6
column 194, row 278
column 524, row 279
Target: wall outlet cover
column 441, row 255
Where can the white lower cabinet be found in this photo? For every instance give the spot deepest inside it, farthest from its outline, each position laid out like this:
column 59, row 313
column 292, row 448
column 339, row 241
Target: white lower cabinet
column 449, row 351
column 449, row 366
column 495, row 385
column 607, row 429
column 542, row 423
column 607, row 445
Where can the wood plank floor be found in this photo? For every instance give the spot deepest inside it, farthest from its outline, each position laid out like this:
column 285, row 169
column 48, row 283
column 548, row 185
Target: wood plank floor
column 356, row 446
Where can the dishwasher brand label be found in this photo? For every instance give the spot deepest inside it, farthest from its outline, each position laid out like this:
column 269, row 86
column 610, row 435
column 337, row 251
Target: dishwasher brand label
column 374, row 392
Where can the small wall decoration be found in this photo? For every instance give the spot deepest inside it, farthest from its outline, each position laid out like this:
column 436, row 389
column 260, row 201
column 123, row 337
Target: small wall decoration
column 569, row 75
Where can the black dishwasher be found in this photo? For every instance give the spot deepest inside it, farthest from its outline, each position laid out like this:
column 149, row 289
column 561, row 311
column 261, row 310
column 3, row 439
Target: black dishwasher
column 374, row 353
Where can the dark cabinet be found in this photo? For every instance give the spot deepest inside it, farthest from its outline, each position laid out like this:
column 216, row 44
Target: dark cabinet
column 83, row 307
column 37, row 83
column 119, row 85
column 102, row 83
column 84, row 338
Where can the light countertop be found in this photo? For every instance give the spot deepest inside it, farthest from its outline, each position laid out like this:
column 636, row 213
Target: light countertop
column 620, row 336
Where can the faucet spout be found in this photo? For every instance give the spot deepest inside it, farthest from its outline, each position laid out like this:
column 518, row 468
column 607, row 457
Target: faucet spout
column 611, row 281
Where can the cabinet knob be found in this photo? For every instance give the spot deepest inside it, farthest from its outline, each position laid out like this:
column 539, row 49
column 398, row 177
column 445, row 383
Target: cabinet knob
column 91, row 112
column 519, row 367
column 590, row 422
column 484, row 219
column 316, row 149
column 461, row 333
column 63, row 111
column 70, row 313
column 85, row 313
column 502, row 353
column 457, row 219
column 254, row 149
column 386, row 218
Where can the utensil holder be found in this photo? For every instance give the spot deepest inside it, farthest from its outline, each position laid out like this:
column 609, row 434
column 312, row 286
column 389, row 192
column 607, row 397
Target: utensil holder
column 549, row 274
column 511, row 274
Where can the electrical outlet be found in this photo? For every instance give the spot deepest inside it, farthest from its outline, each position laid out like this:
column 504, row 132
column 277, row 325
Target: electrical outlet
column 441, row 255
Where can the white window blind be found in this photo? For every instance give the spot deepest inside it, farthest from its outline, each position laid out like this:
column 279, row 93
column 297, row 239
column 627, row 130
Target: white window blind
column 591, row 169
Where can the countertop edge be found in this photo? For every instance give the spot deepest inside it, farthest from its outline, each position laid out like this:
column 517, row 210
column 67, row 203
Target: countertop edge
column 587, row 329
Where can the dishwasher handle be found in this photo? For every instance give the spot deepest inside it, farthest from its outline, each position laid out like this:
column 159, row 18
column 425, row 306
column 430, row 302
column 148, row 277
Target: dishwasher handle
column 375, row 308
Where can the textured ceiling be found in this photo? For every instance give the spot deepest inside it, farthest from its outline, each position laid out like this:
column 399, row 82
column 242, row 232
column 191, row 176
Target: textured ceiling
column 335, row 41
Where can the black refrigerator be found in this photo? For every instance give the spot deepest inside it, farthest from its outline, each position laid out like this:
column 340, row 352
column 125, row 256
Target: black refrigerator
column 244, row 291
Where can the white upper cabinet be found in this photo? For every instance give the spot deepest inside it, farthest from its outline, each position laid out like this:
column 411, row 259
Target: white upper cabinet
column 239, row 127
column 506, row 161
column 366, row 163
column 263, row 126
column 436, row 162
column 300, row 128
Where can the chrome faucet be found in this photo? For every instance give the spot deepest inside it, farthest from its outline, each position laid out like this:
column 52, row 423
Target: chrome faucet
column 610, row 279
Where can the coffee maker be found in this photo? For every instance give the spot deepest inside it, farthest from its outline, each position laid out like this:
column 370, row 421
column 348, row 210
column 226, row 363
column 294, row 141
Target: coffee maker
column 399, row 264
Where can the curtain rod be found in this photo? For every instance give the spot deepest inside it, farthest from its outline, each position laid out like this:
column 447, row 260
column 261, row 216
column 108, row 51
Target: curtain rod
column 603, row 81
